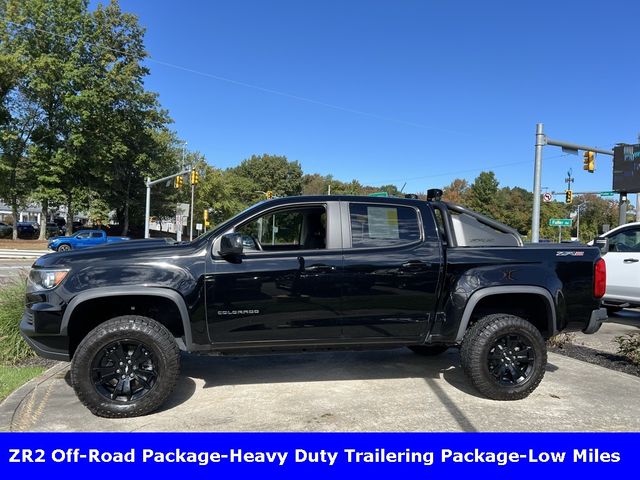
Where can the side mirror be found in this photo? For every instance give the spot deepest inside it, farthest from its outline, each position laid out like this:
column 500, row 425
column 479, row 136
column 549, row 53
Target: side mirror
column 231, row 245
column 602, row 243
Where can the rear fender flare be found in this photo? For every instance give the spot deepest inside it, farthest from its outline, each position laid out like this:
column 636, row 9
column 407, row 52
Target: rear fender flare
column 478, row 295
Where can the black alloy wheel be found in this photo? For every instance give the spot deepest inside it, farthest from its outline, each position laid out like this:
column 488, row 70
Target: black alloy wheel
column 124, row 370
column 511, row 359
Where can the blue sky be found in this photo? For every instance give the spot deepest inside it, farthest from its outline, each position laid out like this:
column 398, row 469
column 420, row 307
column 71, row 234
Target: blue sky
column 408, row 91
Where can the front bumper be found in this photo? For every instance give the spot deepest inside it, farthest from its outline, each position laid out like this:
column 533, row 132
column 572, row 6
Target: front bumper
column 595, row 322
column 44, row 336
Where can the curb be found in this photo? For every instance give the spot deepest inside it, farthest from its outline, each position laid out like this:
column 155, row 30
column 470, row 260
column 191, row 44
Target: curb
column 10, row 405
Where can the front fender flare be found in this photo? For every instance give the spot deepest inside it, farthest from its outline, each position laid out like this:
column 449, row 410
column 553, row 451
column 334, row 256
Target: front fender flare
column 103, row 292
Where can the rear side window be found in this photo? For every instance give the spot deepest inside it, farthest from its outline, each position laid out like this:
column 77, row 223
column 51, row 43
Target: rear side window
column 96, row 235
column 383, row 226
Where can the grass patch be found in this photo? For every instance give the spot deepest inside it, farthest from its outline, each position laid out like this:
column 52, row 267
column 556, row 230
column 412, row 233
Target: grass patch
column 14, row 377
column 13, row 349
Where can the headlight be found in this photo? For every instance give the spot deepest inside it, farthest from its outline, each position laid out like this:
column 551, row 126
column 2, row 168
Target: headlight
column 46, row 278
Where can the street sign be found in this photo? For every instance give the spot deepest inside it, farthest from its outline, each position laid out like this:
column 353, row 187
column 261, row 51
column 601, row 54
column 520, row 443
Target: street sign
column 607, row 194
column 379, row 194
column 547, row 197
column 560, row 222
column 198, row 226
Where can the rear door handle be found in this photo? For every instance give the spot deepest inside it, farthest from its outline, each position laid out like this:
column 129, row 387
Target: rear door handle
column 631, row 260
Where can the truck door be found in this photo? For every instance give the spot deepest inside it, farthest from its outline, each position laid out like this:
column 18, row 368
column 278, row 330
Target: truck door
column 623, row 266
column 286, row 286
column 392, row 261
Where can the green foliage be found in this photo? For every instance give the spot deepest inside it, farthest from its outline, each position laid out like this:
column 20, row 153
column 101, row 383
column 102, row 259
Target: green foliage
column 74, row 104
column 272, row 172
column 13, row 348
column 13, row 377
column 629, row 346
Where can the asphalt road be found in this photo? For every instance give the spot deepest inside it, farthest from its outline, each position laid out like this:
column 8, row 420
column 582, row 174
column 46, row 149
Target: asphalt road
column 13, row 268
column 391, row 390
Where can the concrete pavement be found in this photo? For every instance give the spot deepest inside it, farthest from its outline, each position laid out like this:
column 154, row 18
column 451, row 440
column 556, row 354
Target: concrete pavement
column 392, row 390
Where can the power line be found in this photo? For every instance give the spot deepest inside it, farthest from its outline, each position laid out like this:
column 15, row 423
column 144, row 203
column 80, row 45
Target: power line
column 258, row 87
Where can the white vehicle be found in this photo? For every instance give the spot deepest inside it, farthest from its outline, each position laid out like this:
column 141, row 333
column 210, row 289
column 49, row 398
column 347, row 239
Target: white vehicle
column 620, row 249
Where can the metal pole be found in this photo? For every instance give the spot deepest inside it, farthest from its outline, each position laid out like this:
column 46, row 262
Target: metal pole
column 622, row 214
column 637, row 207
column 537, row 174
column 147, row 210
column 193, row 187
column 560, row 234
column 578, row 224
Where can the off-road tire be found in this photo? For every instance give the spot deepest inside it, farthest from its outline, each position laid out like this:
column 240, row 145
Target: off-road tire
column 484, row 342
column 156, row 363
column 428, row 350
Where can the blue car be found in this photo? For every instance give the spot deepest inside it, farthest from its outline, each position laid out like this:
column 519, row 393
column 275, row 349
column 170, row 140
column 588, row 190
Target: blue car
column 82, row 239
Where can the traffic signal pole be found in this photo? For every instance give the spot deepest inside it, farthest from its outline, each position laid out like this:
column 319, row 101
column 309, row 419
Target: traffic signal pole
column 150, row 183
column 541, row 141
column 193, row 187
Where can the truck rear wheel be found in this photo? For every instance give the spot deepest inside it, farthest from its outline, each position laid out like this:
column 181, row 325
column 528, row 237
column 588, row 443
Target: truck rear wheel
column 125, row 367
column 504, row 356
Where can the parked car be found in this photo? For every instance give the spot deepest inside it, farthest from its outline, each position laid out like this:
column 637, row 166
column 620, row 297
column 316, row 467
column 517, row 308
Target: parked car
column 82, row 239
column 306, row 273
column 26, row 230
column 6, row 231
column 53, row 230
column 620, row 248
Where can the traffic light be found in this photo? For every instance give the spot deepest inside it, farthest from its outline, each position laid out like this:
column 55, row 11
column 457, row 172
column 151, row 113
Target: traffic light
column 269, row 194
column 206, row 218
column 195, row 177
column 178, row 182
column 589, row 159
column 568, row 198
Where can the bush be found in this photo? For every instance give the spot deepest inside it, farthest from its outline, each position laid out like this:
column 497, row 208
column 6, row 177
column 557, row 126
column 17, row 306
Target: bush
column 13, row 349
column 629, row 346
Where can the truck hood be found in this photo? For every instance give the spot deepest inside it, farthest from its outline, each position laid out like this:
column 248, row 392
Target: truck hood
column 151, row 248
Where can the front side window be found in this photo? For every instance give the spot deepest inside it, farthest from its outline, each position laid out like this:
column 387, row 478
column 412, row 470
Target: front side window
column 303, row 228
column 382, row 226
column 627, row 241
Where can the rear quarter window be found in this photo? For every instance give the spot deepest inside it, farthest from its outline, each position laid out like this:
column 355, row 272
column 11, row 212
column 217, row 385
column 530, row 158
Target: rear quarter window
column 383, row 225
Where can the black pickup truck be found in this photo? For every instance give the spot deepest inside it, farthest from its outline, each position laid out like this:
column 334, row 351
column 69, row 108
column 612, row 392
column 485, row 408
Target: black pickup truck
column 312, row 273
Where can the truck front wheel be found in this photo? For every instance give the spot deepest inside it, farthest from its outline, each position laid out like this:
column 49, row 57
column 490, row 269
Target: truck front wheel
column 504, row 356
column 125, row 367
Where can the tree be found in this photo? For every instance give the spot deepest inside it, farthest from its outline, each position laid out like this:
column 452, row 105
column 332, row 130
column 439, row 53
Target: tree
column 272, row 173
column 456, row 191
column 482, row 194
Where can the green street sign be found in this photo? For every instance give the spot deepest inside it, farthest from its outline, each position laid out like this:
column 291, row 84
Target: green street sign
column 379, row 194
column 607, row 194
column 560, row 222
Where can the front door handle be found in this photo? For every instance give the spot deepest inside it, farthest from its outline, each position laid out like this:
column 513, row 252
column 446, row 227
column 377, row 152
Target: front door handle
column 415, row 265
column 631, row 260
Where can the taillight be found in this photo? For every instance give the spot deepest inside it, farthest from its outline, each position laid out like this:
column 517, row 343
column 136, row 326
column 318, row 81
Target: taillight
column 599, row 278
